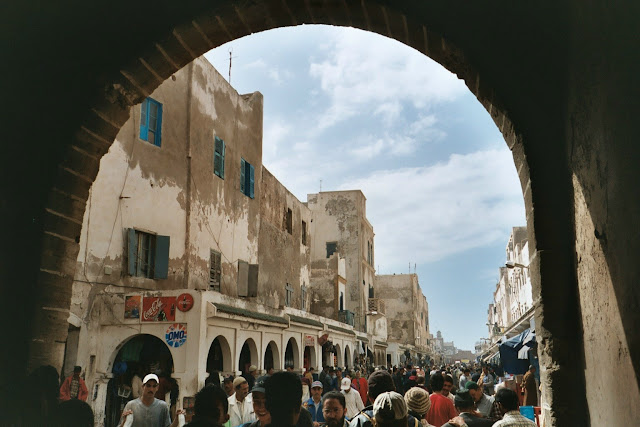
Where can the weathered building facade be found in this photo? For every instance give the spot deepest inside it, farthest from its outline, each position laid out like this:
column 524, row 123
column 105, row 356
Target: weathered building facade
column 512, row 309
column 194, row 259
column 407, row 313
column 339, row 220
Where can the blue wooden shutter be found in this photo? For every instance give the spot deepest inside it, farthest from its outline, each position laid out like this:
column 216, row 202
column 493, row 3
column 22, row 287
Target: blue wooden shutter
column 218, row 157
column 158, row 140
column 224, row 148
column 144, row 120
column 161, row 267
column 133, row 250
column 251, row 181
column 242, row 175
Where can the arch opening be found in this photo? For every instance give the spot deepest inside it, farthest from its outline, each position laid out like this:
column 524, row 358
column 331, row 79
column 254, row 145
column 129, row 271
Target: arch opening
column 219, row 357
column 272, row 357
column 254, row 24
column 292, row 355
column 310, row 357
column 138, row 356
column 248, row 356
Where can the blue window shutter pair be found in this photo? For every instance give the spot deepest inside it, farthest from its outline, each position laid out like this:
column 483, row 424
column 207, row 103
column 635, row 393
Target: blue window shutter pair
column 161, row 264
column 144, row 121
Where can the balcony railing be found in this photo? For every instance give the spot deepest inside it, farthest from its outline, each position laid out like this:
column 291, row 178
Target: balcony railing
column 346, row 316
column 376, row 304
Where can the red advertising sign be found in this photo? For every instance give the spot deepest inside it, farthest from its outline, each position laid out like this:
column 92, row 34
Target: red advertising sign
column 185, row 302
column 158, row 309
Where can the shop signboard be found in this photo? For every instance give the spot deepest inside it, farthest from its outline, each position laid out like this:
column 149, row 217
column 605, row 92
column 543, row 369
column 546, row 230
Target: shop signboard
column 185, row 302
column 158, row 309
column 176, row 335
column 309, row 341
column 132, row 307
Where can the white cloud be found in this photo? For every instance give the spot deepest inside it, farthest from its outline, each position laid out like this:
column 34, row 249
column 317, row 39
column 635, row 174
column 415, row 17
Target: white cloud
column 448, row 208
column 258, row 64
column 390, row 112
column 276, row 133
column 363, row 70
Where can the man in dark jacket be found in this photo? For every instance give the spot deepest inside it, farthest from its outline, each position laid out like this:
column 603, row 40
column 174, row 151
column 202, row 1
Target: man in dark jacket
column 465, row 406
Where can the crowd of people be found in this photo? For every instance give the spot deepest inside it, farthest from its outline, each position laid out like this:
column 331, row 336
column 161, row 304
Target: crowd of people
column 399, row 397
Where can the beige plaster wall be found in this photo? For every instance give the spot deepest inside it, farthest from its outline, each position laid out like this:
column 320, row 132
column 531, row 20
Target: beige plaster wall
column 283, row 258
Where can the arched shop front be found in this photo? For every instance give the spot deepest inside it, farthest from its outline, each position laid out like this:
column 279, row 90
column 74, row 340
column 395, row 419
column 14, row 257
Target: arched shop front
column 140, row 355
column 248, row 356
column 291, row 354
column 271, row 357
column 219, row 357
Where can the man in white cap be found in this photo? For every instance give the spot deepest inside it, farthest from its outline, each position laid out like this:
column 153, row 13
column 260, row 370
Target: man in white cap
column 352, row 398
column 240, row 404
column 146, row 410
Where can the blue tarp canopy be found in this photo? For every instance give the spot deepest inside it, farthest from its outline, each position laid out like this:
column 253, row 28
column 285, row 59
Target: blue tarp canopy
column 514, row 352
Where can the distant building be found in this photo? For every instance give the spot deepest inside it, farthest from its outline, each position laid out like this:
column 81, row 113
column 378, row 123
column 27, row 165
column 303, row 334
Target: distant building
column 407, row 317
column 342, row 272
column 511, row 311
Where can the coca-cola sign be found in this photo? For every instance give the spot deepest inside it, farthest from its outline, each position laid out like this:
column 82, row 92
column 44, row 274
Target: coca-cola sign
column 158, row 309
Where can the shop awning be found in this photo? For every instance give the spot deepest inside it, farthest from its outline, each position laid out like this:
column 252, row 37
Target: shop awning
column 514, row 352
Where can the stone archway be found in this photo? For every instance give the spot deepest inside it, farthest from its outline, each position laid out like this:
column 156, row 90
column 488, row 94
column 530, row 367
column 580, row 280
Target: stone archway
column 219, row 357
column 248, row 356
column 292, row 354
column 271, row 357
column 560, row 125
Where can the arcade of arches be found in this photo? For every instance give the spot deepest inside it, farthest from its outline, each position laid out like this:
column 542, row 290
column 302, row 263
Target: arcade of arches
column 558, row 78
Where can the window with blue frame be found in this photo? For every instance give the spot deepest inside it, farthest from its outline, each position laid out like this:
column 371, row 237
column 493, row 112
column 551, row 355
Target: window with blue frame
column 218, row 157
column 246, row 178
column 151, row 121
column 148, row 254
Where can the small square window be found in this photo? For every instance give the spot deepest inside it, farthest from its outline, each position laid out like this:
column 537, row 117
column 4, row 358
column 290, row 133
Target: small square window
column 331, row 248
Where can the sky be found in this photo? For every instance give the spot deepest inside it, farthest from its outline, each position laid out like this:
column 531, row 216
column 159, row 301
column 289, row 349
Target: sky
column 347, row 109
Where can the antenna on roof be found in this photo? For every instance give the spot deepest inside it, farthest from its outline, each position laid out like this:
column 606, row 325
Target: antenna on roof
column 230, row 57
column 321, row 186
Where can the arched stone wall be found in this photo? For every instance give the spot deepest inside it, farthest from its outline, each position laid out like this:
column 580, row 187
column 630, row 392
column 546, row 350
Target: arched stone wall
column 548, row 76
column 227, row 359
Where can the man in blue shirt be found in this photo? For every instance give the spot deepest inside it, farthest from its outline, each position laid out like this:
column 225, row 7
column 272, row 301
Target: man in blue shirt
column 314, row 404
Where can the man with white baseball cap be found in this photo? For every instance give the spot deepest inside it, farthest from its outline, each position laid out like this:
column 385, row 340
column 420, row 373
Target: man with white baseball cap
column 146, row 410
column 352, row 398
